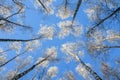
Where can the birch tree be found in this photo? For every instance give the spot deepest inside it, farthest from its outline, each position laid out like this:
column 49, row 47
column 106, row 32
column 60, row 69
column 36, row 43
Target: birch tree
column 59, row 39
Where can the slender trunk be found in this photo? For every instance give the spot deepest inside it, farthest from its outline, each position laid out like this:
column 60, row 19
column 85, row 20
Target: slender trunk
column 44, row 7
column 12, row 59
column 95, row 75
column 30, row 69
column 91, row 30
column 76, row 10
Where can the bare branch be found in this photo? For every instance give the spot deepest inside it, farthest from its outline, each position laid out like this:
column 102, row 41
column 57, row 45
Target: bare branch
column 100, row 47
column 30, row 69
column 111, row 46
column 17, row 24
column 19, row 40
column 91, row 30
column 12, row 59
column 76, row 10
column 5, row 51
column 66, row 3
column 21, row 7
column 44, row 7
column 91, row 71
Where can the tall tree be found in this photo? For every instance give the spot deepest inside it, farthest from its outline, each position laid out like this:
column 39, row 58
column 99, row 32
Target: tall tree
column 59, row 39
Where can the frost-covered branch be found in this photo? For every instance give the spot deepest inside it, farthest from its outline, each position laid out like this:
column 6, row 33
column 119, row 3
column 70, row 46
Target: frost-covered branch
column 91, row 30
column 90, row 70
column 14, row 23
column 18, row 76
column 12, row 59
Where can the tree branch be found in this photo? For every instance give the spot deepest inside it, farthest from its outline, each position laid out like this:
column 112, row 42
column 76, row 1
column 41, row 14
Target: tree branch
column 30, row 69
column 111, row 46
column 44, row 7
column 76, row 10
column 19, row 40
column 12, row 59
column 95, row 75
column 102, row 21
column 5, row 50
column 17, row 24
column 21, row 7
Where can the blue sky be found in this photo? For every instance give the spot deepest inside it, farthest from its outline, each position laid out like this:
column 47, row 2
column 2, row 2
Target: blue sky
column 35, row 18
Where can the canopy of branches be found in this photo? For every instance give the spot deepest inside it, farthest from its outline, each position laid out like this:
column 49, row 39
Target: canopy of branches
column 59, row 39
